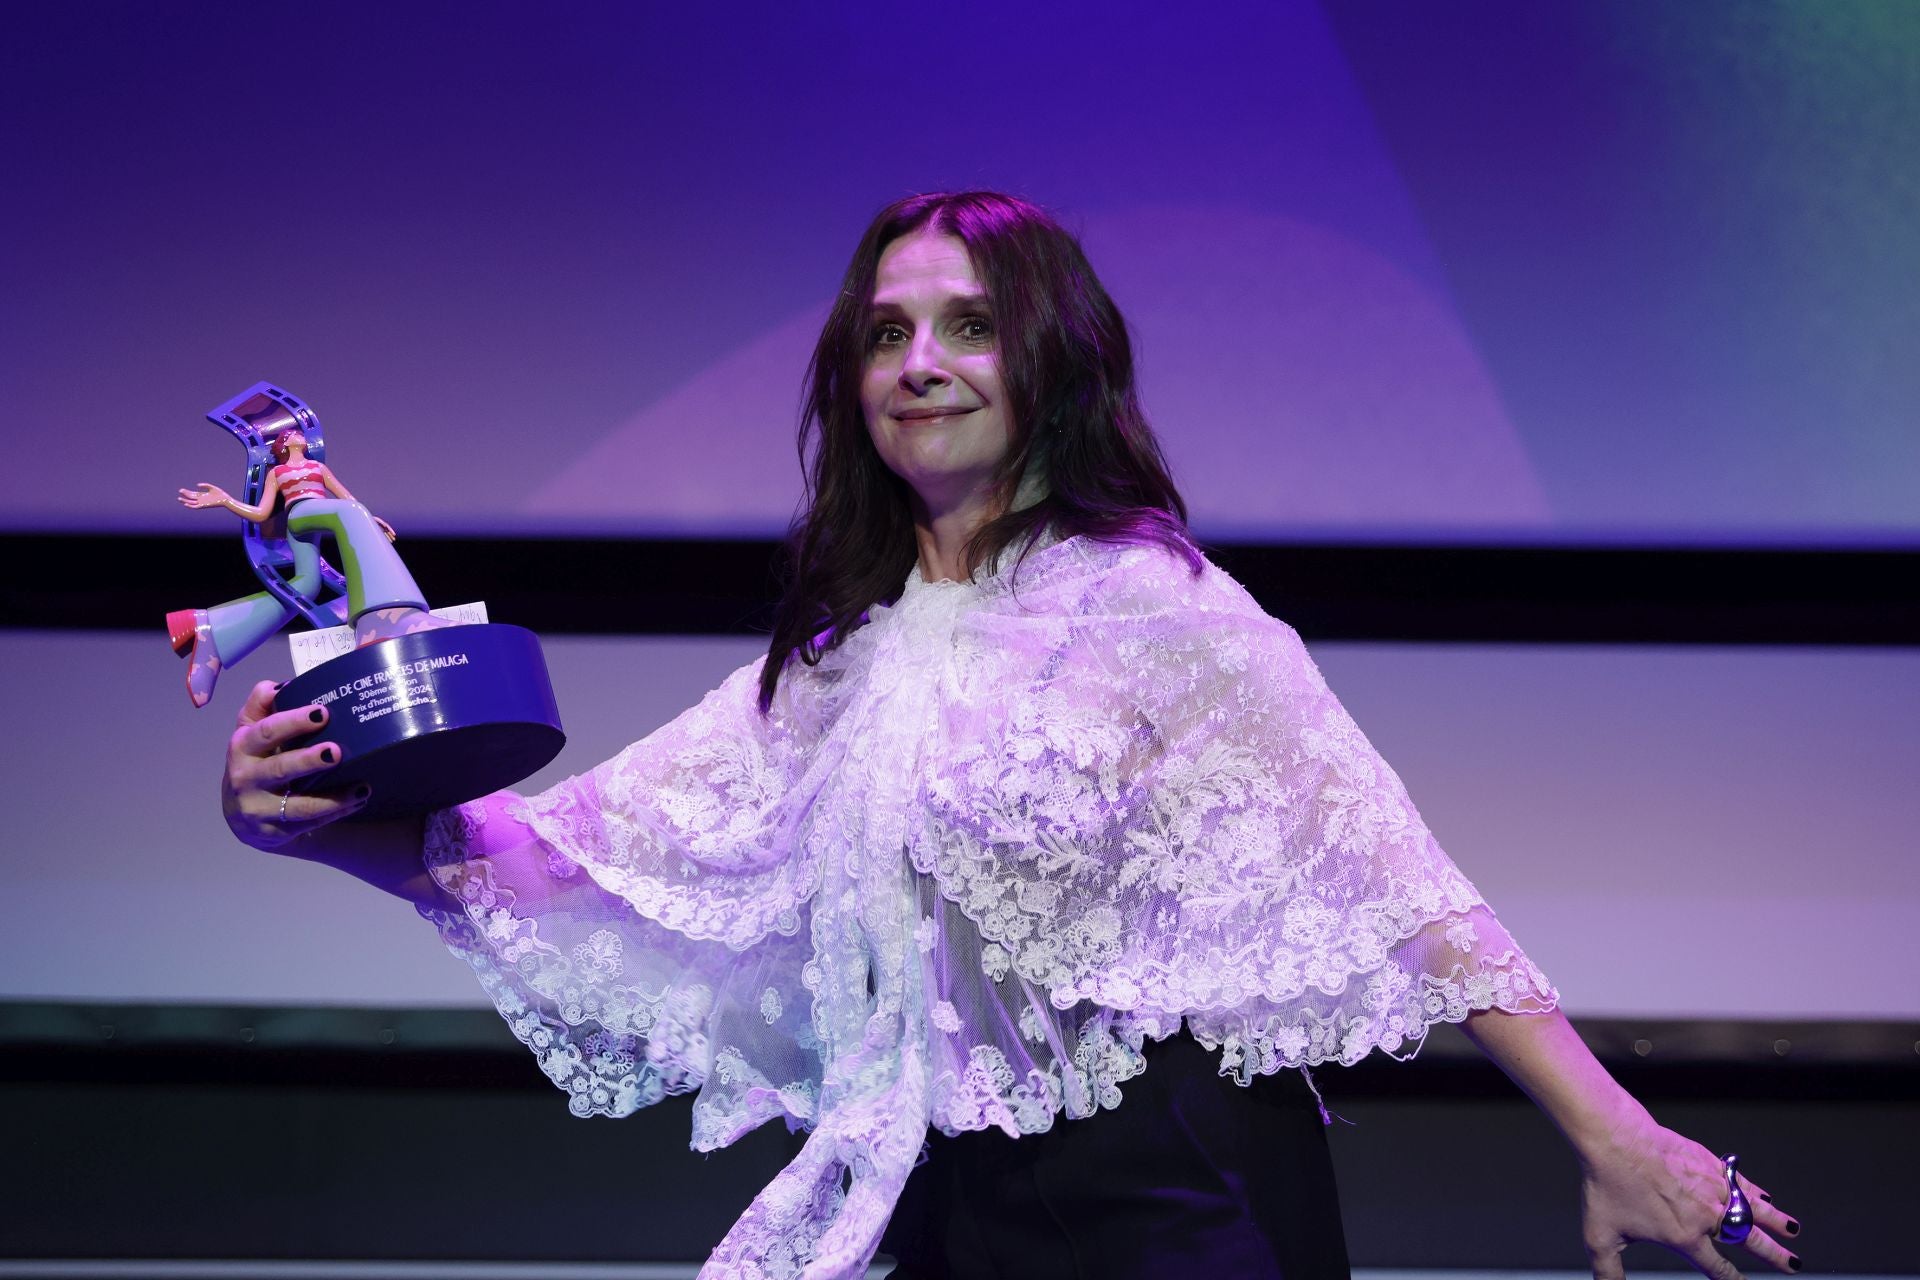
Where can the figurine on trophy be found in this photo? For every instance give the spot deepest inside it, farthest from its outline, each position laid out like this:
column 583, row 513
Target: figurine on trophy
column 381, row 599
column 448, row 718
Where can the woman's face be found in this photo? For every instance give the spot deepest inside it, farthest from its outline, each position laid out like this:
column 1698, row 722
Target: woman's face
column 934, row 403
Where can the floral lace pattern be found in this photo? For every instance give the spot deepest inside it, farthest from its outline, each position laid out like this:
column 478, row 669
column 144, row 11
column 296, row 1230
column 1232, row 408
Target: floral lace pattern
column 962, row 871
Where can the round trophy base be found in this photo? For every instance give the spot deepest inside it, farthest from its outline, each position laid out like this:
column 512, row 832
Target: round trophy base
column 433, row 718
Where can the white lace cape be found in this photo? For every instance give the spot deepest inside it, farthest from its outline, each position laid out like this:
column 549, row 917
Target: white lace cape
column 1002, row 834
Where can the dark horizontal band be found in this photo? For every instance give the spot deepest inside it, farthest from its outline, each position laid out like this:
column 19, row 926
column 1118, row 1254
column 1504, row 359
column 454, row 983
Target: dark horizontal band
column 692, row 586
column 53, row 1040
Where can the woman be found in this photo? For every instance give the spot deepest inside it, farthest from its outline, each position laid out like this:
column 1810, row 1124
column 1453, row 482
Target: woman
column 1025, row 800
column 379, row 588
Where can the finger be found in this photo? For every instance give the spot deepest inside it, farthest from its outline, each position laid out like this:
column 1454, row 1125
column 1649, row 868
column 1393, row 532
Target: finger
column 255, row 787
column 260, row 803
column 1709, row 1262
column 1771, row 1252
column 1607, row 1266
column 307, row 813
column 279, row 771
column 1771, row 1219
column 279, row 730
column 259, row 704
column 1774, row 1219
column 1762, row 1202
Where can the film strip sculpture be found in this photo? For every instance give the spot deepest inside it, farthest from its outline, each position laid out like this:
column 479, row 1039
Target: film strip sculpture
column 255, row 418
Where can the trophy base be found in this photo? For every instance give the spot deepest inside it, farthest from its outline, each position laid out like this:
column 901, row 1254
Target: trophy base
column 433, row 718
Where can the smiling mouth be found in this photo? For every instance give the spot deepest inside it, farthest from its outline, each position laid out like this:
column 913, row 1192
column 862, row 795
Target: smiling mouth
column 929, row 415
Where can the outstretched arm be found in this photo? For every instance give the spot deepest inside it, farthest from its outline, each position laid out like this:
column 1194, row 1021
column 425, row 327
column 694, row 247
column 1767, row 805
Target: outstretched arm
column 1639, row 1181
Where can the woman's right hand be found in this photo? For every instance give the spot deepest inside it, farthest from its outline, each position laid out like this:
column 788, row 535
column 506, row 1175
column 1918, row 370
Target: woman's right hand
column 206, row 495
column 270, row 751
column 265, row 757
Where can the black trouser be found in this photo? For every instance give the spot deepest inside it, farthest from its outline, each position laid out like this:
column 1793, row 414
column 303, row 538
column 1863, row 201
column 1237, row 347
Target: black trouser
column 1192, row 1175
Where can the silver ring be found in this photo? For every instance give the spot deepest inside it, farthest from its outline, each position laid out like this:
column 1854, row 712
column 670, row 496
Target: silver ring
column 284, row 797
column 1736, row 1223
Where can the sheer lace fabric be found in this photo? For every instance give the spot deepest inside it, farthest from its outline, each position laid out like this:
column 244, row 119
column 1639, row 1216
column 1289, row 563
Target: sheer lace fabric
column 963, row 869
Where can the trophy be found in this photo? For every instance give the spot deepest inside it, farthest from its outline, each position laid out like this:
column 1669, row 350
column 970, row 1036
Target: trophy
column 429, row 709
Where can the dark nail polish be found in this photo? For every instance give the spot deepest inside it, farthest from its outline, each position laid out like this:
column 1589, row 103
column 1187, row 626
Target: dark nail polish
column 316, row 715
column 1764, row 1196
column 327, row 755
column 1793, row 1263
column 1793, row 1228
column 362, row 791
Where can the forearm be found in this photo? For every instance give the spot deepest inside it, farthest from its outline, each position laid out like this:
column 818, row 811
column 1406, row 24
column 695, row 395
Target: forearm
column 1544, row 1055
column 384, row 854
column 257, row 514
column 390, row 855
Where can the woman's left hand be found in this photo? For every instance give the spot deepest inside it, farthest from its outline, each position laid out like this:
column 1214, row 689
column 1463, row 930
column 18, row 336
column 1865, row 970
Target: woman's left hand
column 1650, row 1183
column 386, row 529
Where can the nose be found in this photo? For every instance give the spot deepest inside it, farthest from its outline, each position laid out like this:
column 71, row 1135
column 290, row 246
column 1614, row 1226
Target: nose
column 925, row 364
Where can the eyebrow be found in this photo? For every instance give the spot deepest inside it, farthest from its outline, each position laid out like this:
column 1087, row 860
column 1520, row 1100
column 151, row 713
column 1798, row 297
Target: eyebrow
column 957, row 302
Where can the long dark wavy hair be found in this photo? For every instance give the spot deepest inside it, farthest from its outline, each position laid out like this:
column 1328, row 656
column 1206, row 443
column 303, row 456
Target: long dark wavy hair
column 1067, row 367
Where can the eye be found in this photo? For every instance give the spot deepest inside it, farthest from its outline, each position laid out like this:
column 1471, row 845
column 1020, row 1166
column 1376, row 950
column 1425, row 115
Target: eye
column 886, row 334
column 977, row 329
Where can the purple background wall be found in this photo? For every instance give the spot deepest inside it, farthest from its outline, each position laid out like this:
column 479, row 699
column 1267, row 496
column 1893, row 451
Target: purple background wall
column 1621, row 272
column 1576, row 271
